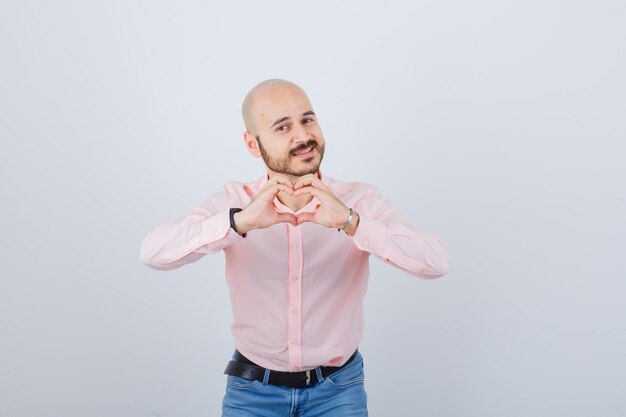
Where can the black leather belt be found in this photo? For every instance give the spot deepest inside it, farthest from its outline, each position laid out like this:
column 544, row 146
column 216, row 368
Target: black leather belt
column 245, row 368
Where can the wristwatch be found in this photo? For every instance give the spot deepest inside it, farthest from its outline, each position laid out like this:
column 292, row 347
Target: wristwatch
column 232, row 220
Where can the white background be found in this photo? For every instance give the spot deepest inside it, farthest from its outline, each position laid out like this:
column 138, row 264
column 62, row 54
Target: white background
column 499, row 126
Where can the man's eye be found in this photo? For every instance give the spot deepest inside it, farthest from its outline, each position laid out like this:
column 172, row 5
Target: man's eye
column 281, row 128
column 309, row 120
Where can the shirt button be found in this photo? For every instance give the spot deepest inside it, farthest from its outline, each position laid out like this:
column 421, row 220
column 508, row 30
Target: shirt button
column 294, row 342
column 217, row 232
column 294, row 246
column 294, row 310
column 294, row 278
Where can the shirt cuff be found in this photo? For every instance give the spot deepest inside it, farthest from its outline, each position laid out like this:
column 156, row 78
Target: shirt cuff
column 217, row 229
column 371, row 235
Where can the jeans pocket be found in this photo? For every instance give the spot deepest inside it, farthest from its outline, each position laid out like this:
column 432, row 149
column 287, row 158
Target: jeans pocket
column 349, row 375
column 241, row 383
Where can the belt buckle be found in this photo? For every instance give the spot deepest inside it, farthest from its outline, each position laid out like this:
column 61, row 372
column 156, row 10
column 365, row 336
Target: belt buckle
column 308, row 377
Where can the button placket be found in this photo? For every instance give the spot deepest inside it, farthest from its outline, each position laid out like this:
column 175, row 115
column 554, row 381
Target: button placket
column 294, row 335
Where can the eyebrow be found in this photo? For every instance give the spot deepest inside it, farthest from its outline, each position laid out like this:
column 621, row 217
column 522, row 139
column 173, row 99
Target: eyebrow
column 282, row 119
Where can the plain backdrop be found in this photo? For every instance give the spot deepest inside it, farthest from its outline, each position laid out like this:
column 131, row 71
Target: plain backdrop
column 497, row 125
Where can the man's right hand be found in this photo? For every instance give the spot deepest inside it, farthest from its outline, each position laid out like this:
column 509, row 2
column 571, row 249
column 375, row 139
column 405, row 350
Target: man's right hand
column 260, row 213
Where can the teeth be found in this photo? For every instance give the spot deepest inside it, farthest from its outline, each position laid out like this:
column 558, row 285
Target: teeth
column 304, row 151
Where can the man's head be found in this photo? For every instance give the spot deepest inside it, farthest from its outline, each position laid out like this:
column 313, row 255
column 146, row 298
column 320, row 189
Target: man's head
column 282, row 128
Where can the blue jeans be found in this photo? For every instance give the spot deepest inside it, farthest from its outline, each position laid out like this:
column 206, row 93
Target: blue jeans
column 341, row 394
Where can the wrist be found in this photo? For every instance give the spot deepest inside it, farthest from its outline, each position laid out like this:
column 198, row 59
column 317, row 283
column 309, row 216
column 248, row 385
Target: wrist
column 353, row 224
column 237, row 223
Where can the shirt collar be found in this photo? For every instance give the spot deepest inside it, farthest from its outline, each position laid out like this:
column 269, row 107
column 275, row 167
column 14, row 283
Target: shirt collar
column 309, row 208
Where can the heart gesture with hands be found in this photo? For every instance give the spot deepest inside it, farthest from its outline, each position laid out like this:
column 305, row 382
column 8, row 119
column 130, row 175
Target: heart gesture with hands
column 261, row 213
column 331, row 213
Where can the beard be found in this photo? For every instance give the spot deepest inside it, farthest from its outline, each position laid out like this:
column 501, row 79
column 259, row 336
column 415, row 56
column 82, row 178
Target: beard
column 283, row 165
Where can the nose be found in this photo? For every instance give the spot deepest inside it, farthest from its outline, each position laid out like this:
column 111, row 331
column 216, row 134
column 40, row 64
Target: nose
column 300, row 133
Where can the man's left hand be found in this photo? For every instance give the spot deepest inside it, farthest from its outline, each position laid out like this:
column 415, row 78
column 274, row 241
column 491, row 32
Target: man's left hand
column 331, row 213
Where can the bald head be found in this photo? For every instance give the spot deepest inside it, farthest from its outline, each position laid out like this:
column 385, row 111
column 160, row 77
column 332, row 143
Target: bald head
column 263, row 95
column 282, row 128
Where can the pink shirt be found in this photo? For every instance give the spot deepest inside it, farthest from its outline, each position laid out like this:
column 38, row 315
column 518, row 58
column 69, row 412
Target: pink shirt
column 297, row 292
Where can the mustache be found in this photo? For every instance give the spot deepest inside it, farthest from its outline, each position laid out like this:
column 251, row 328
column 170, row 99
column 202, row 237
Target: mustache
column 308, row 144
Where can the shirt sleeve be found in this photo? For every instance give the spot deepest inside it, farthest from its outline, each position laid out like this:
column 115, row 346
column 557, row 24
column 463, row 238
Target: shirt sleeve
column 203, row 230
column 387, row 234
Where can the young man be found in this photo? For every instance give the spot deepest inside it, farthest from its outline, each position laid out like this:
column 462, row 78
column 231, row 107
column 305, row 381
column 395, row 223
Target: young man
column 297, row 245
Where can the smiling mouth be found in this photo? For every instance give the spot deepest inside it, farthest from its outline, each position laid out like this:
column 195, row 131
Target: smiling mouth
column 303, row 153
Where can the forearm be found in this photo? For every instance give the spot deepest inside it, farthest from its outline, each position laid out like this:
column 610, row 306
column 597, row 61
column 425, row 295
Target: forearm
column 185, row 240
column 385, row 232
column 405, row 246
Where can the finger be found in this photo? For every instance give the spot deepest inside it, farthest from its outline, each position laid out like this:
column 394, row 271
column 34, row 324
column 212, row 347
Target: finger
column 281, row 179
column 280, row 187
column 270, row 192
column 311, row 180
column 306, row 217
column 287, row 218
column 308, row 190
column 304, row 181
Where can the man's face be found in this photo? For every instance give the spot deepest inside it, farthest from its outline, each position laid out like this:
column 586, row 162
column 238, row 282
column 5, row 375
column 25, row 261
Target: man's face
column 289, row 137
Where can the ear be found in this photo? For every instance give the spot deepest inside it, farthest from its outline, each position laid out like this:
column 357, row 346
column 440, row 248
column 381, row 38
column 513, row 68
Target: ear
column 251, row 144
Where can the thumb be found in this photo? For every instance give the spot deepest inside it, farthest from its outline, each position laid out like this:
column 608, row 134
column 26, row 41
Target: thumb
column 306, row 217
column 287, row 218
